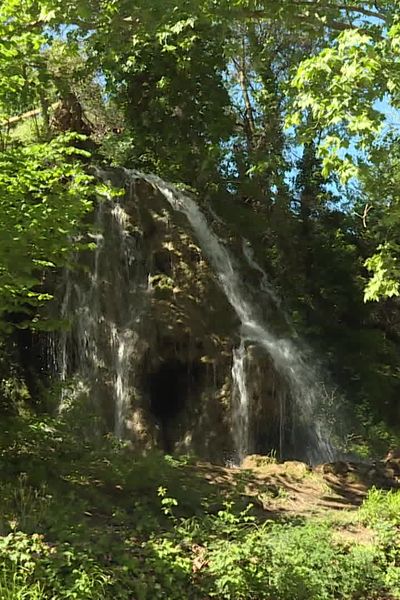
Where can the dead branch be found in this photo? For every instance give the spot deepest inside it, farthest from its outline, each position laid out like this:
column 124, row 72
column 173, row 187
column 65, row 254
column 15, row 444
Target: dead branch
column 364, row 216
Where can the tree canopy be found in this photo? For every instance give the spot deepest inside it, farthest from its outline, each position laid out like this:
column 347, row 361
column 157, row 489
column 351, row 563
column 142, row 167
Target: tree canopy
column 283, row 117
column 215, row 92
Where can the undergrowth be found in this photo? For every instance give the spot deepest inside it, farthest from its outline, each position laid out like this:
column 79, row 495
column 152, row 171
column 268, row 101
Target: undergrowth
column 90, row 521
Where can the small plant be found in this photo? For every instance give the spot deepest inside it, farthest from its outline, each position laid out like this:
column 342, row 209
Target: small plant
column 167, row 503
column 381, row 506
column 23, row 505
column 12, row 589
column 33, row 569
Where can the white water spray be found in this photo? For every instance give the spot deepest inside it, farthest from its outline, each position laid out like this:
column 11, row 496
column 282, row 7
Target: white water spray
column 241, row 403
column 103, row 305
column 288, row 360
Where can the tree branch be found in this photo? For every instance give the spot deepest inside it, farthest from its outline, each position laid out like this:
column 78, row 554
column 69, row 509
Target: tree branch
column 27, row 115
column 332, row 23
column 364, row 216
column 348, row 7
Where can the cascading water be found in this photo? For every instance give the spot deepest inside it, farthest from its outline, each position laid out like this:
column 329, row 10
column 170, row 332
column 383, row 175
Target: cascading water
column 106, row 301
column 288, row 360
column 265, row 285
column 241, row 403
column 103, row 302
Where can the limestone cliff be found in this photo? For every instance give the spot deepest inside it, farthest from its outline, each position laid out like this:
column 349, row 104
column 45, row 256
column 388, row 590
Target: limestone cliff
column 155, row 314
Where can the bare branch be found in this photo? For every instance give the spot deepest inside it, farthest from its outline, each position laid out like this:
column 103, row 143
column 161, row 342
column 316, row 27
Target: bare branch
column 364, row 216
column 11, row 121
column 333, row 24
column 348, row 7
column 323, row 12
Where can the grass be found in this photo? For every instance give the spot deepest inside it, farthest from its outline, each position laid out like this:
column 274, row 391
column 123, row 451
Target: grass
column 88, row 520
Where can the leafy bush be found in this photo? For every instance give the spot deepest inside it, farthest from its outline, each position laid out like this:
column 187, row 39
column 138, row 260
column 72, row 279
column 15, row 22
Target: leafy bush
column 381, row 506
column 381, row 510
column 44, row 196
column 34, row 569
column 289, row 562
column 100, row 522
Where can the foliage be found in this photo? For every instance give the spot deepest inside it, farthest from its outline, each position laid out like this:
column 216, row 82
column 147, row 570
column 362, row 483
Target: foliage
column 381, row 506
column 381, row 510
column 90, row 520
column 175, row 101
column 44, row 195
column 21, row 61
column 34, row 569
column 202, row 86
column 351, row 91
column 200, row 92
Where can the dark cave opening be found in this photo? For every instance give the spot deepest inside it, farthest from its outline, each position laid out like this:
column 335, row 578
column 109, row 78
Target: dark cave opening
column 169, row 389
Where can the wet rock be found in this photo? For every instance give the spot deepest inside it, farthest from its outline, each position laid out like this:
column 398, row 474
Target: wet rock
column 153, row 334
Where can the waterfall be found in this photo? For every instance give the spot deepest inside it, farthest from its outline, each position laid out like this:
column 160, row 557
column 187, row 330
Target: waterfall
column 107, row 297
column 80, row 302
column 241, row 403
column 301, row 378
column 265, row 285
column 103, row 302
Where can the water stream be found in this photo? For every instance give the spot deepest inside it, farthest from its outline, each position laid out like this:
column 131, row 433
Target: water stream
column 105, row 302
column 241, row 403
column 302, row 380
column 265, row 284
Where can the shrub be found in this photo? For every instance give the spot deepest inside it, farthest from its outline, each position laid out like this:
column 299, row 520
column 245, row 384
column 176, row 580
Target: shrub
column 34, row 569
column 381, row 506
column 290, row 562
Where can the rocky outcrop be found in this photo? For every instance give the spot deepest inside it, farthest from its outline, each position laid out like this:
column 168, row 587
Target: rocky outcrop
column 187, row 332
column 149, row 349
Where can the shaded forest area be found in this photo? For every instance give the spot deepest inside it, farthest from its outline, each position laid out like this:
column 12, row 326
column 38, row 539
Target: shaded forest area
column 281, row 115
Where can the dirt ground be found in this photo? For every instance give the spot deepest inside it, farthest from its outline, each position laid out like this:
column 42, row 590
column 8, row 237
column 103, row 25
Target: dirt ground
column 294, row 491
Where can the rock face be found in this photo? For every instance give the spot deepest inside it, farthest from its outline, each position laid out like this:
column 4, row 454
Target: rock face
column 150, row 347
column 183, row 369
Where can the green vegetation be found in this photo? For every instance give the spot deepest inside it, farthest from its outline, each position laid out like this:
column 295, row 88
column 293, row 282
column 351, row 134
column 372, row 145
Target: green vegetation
column 89, row 520
column 283, row 117
column 44, row 194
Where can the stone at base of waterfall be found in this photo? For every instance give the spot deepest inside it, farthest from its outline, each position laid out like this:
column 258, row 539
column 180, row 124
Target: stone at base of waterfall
column 257, row 461
column 394, row 465
column 268, row 463
column 379, row 473
column 392, row 460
